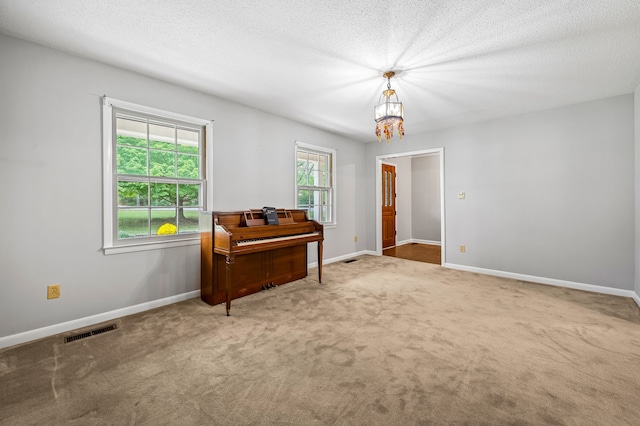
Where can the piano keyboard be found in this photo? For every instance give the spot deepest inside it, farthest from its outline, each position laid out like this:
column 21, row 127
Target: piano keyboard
column 275, row 239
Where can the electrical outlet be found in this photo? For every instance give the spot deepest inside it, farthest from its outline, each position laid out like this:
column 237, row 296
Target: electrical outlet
column 462, row 248
column 53, row 291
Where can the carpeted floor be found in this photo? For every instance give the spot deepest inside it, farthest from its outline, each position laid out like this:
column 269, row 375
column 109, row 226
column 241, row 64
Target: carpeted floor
column 383, row 341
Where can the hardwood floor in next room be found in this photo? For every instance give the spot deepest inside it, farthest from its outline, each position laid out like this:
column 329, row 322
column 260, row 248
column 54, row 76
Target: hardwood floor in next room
column 428, row 253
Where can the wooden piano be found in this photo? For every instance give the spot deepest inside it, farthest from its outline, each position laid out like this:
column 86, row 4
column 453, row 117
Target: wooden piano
column 241, row 254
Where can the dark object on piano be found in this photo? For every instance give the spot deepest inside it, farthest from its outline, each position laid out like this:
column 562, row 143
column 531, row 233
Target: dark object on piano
column 270, row 215
column 240, row 254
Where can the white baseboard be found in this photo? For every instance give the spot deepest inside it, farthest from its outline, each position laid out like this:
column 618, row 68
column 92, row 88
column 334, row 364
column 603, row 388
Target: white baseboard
column 548, row 281
column 433, row 243
column 28, row 336
column 413, row 240
column 343, row 257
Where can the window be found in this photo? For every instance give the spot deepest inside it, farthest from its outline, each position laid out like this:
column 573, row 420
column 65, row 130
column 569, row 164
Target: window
column 154, row 180
column 315, row 182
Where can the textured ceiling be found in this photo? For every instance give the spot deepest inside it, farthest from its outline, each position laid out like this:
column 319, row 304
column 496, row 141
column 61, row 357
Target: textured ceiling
column 320, row 62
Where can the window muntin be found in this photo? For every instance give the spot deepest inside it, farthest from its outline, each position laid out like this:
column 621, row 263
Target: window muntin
column 315, row 190
column 158, row 170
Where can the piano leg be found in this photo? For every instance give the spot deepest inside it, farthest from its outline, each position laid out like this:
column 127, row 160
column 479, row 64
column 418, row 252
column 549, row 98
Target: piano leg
column 229, row 274
column 320, row 262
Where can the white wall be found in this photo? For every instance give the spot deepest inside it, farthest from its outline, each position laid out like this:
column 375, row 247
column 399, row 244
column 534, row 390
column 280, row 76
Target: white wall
column 548, row 194
column 425, row 176
column 51, row 191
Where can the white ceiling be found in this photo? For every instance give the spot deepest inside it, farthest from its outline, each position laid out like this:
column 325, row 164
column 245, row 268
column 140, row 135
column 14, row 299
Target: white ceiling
column 320, row 62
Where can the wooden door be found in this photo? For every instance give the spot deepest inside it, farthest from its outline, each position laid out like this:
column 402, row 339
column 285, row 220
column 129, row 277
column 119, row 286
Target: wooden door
column 388, row 206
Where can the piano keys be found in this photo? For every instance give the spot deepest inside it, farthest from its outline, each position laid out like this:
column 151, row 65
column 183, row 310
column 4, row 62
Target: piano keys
column 276, row 239
column 241, row 254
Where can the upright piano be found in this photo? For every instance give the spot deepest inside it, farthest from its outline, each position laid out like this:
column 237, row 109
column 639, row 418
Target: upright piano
column 241, row 254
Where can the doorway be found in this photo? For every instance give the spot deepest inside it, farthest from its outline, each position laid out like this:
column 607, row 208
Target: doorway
column 418, row 195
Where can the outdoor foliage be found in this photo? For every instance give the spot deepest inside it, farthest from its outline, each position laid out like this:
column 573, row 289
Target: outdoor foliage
column 146, row 203
column 313, row 181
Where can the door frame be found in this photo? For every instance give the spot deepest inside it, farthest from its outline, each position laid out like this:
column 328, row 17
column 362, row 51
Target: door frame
column 379, row 161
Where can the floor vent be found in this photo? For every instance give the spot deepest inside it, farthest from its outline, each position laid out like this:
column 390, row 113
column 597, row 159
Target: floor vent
column 350, row 260
column 90, row 333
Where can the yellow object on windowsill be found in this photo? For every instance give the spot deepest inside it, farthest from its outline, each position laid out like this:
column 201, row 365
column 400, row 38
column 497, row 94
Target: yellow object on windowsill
column 167, row 229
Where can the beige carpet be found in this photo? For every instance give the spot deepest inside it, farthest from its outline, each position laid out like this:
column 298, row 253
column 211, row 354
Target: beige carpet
column 383, row 341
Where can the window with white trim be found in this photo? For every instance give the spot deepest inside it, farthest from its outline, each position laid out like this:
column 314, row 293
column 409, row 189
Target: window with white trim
column 315, row 182
column 154, row 176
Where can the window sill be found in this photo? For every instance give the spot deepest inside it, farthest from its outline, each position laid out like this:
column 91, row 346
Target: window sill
column 128, row 248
